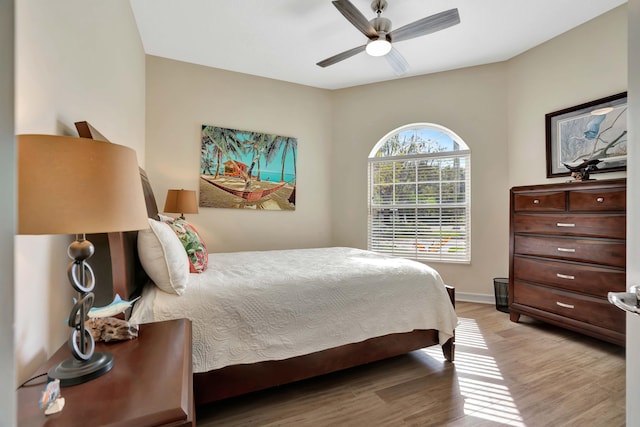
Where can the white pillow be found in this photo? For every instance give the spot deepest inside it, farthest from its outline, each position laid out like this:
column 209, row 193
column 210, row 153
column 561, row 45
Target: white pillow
column 163, row 257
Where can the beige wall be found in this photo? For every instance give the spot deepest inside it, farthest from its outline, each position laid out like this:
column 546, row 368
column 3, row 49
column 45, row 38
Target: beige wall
column 182, row 97
column 584, row 64
column 75, row 60
column 472, row 103
column 7, row 217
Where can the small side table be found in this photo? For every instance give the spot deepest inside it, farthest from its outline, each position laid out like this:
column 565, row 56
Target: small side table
column 151, row 383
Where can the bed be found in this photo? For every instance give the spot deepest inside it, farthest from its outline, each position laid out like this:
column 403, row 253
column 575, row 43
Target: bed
column 225, row 369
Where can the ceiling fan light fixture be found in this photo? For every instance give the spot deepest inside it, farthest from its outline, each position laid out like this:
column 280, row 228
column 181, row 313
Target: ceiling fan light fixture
column 379, row 47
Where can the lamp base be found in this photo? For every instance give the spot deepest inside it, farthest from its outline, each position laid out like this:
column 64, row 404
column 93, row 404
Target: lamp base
column 73, row 371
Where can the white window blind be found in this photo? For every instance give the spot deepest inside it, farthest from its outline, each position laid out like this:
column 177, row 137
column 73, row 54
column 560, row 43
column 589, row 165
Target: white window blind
column 419, row 206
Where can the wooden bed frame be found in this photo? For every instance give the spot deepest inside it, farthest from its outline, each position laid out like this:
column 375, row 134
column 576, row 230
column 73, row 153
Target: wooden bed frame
column 129, row 278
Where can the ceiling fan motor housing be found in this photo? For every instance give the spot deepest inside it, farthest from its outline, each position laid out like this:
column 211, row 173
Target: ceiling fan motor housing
column 382, row 25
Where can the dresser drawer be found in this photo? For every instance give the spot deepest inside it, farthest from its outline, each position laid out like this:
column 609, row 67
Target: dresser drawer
column 605, row 252
column 586, row 309
column 597, row 281
column 588, row 225
column 536, row 202
column 598, row 200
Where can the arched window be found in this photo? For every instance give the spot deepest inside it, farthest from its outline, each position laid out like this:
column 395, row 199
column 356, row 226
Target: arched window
column 420, row 195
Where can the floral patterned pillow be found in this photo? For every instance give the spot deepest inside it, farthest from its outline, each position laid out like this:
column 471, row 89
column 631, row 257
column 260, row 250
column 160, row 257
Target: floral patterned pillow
column 193, row 244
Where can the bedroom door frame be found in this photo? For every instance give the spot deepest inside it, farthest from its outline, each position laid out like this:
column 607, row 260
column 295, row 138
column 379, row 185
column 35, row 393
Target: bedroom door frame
column 8, row 223
column 633, row 211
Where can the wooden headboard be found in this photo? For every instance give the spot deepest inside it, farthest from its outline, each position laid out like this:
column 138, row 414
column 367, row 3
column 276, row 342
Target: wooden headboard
column 127, row 273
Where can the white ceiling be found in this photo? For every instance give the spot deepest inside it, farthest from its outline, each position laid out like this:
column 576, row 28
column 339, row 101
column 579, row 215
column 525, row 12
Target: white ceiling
column 283, row 39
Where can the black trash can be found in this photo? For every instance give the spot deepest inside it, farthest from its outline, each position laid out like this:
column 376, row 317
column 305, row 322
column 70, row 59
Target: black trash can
column 501, row 289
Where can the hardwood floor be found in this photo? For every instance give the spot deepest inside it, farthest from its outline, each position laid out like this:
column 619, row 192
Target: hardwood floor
column 514, row 374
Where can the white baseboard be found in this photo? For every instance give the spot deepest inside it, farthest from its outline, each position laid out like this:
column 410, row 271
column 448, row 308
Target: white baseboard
column 479, row 298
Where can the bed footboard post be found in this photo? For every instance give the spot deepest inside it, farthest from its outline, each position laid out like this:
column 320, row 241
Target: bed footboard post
column 452, row 294
column 448, row 348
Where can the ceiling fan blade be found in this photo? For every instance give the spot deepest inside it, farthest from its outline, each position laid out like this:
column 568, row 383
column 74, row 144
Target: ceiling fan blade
column 427, row 25
column 397, row 62
column 341, row 56
column 354, row 16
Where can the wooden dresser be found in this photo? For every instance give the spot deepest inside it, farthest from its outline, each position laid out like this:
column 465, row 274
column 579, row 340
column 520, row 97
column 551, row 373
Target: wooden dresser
column 567, row 251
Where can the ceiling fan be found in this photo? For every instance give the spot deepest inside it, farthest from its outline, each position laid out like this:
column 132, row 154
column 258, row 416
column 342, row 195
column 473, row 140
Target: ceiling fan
column 378, row 31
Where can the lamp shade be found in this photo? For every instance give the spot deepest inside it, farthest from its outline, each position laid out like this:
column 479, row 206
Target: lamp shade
column 72, row 185
column 181, row 201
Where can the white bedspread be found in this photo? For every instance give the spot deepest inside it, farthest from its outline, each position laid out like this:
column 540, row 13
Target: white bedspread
column 254, row 306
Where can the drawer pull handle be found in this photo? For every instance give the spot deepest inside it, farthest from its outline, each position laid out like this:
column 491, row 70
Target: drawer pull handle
column 565, row 276
column 565, row 224
column 536, row 201
column 600, row 199
column 561, row 304
column 566, row 250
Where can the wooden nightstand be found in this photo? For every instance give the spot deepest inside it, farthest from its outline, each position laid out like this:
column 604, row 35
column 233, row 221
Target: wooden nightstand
column 149, row 384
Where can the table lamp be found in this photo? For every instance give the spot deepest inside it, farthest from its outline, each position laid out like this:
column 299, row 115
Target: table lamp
column 78, row 186
column 181, row 201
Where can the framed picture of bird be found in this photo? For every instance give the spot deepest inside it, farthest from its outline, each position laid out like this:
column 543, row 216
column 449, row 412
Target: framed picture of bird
column 589, row 136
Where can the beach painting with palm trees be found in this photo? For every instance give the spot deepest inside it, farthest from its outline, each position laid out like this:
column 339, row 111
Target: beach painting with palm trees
column 247, row 170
